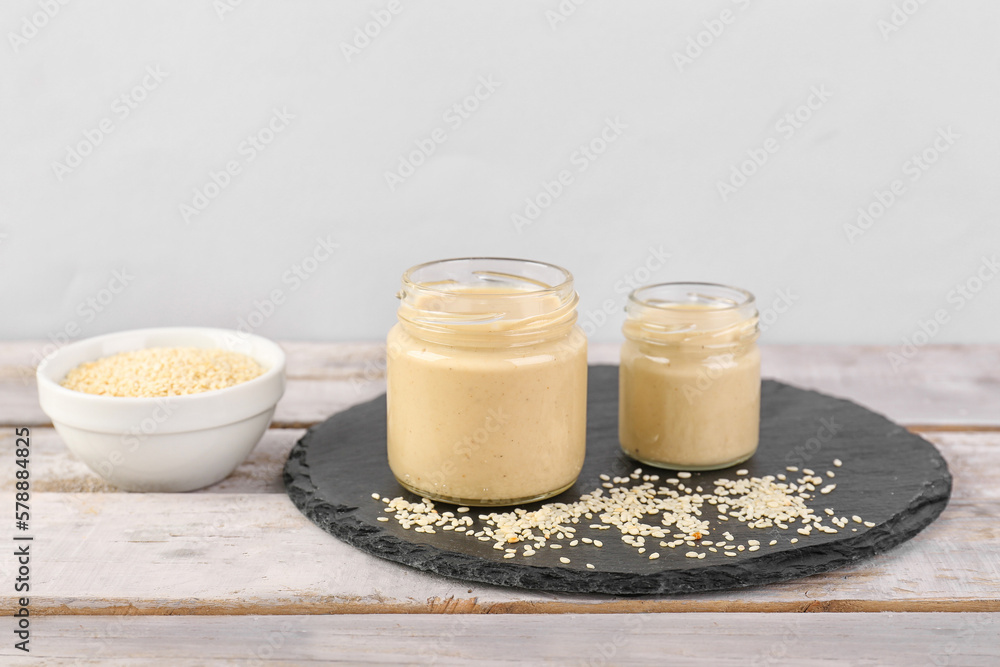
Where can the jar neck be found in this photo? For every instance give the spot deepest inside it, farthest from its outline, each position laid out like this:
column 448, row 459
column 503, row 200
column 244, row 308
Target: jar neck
column 712, row 318
column 487, row 303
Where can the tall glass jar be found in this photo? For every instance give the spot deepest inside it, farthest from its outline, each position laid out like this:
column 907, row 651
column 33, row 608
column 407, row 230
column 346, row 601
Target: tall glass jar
column 487, row 382
column 689, row 379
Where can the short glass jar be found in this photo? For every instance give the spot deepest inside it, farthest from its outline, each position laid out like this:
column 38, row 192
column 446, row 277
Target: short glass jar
column 487, row 382
column 689, row 379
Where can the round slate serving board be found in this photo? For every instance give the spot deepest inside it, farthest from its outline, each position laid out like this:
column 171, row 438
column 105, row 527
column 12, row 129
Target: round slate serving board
column 889, row 476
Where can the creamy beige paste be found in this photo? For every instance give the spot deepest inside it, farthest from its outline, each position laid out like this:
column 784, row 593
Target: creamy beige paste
column 685, row 405
column 480, row 422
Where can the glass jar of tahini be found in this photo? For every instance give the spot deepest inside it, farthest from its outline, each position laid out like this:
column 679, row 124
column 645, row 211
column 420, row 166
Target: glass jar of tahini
column 689, row 379
column 486, row 382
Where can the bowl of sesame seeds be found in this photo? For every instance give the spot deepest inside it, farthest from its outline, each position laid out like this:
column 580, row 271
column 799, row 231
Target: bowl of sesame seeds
column 163, row 410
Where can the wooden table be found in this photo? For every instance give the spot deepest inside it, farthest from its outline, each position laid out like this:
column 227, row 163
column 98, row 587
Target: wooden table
column 235, row 574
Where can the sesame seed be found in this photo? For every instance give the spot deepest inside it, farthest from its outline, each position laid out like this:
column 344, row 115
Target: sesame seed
column 162, row 371
column 563, row 559
column 794, row 540
column 791, row 469
column 830, row 473
column 772, row 542
column 837, row 463
column 742, row 471
column 589, row 566
column 383, row 518
column 654, row 556
column 870, row 524
column 684, row 475
column 729, row 553
column 509, row 555
column 828, row 488
column 856, row 519
column 376, row 496
column 598, row 543
column 692, row 554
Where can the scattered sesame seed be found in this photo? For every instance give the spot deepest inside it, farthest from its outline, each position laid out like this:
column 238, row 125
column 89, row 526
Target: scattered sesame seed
column 684, row 475
column 563, row 559
column 772, row 542
column 383, row 518
column 589, row 566
column 791, row 469
column 376, row 496
column 654, row 556
column 742, row 471
column 509, row 555
column 830, row 473
column 870, row 524
column 692, row 554
column 856, row 519
column 729, row 553
column 838, row 463
column 794, row 540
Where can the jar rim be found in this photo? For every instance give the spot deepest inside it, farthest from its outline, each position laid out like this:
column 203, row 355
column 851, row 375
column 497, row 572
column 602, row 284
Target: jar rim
column 565, row 278
column 736, row 296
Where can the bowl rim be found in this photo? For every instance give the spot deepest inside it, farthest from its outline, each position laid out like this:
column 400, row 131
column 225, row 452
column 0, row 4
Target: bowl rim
column 53, row 386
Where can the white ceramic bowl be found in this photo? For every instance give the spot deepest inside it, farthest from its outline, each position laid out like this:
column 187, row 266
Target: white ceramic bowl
column 179, row 443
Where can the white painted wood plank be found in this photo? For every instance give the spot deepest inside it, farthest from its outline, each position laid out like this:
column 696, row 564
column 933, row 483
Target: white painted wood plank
column 944, row 384
column 255, row 553
column 973, row 457
column 743, row 640
column 55, row 469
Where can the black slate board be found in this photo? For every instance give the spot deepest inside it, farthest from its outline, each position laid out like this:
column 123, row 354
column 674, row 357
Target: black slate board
column 890, row 476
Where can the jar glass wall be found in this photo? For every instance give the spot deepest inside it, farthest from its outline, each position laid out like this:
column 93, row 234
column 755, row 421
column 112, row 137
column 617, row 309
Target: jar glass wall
column 689, row 379
column 486, row 382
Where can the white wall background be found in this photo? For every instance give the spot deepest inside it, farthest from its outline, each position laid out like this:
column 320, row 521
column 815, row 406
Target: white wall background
column 63, row 235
